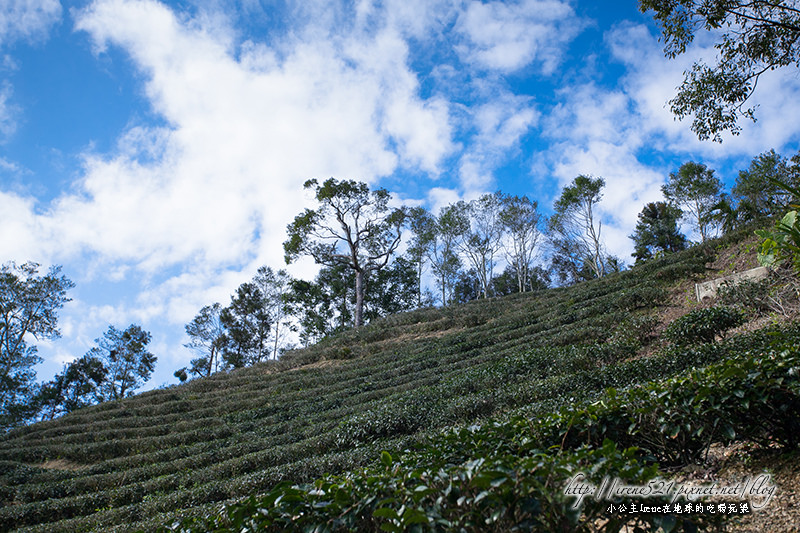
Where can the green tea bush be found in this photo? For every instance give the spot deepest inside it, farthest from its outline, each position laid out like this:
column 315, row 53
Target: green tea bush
column 424, row 491
column 752, row 297
column 637, row 329
column 703, row 325
column 643, row 296
column 755, row 397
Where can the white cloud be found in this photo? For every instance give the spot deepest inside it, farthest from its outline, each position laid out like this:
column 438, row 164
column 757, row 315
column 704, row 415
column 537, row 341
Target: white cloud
column 184, row 212
column 609, row 131
column 222, row 181
column 510, row 36
column 21, row 230
column 597, row 132
column 500, row 124
column 27, row 19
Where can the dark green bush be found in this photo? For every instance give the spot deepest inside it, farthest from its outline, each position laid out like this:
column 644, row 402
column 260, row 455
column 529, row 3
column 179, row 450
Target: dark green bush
column 703, row 325
column 425, row 491
column 641, row 297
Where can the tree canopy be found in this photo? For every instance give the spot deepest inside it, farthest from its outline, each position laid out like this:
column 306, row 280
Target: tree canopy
column 753, row 38
column 696, row 189
column 28, row 307
column 352, row 226
column 574, row 228
column 657, row 231
column 126, row 360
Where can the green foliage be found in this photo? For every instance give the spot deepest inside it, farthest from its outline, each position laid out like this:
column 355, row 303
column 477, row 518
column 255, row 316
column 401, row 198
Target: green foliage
column 703, row 325
column 507, row 475
column 424, row 492
column 352, row 226
column 28, row 306
column 127, row 363
column 753, row 37
column 657, row 231
column 782, row 243
column 644, row 296
column 751, row 397
column 758, row 191
column 696, row 190
column 496, row 370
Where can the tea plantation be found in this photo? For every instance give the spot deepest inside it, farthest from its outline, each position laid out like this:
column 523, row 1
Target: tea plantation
column 469, row 418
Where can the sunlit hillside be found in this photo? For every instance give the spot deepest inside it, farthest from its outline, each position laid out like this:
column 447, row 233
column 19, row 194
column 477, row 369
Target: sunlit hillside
column 482, row 370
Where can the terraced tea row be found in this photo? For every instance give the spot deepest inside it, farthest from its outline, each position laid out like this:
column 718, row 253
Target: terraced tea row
column 329, row 408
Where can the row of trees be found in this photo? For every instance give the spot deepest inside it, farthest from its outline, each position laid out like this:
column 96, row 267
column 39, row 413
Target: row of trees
column 695, row 195
column 29, row 304
column 378, row 259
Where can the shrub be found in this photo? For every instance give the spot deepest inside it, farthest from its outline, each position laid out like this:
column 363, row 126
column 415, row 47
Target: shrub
column 782, row 243
column 641, row 296
column 703, row 325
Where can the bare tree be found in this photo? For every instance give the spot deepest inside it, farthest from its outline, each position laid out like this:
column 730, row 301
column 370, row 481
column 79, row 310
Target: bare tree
column 575, row 227
column 520, row 219
column 484, row 238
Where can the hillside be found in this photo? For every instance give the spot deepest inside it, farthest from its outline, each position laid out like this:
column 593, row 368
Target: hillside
column 486, row 369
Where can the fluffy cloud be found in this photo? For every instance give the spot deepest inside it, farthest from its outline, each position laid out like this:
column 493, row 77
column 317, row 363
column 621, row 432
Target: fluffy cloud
column 182, row 212
column 499, row 125
column 509, row 36
column 243, row 134
column 27, row 19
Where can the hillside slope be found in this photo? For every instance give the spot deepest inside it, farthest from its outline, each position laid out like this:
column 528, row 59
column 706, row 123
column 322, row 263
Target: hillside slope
column 182, row 451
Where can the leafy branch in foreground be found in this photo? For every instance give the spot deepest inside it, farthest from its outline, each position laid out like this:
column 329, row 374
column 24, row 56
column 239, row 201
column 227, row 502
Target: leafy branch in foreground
column 755, row 37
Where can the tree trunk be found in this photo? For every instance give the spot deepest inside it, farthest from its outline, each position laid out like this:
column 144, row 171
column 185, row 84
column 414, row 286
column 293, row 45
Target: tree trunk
column 359, row 313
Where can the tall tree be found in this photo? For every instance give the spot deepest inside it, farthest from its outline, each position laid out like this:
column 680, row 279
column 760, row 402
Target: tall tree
column 484, row 238
column 127, row 362
column 28, row 308
column 247, row 323
column 276, row 284
column 352, row 226
column 753, row 37
column 575, row 230
column 696, row 190
column 657, row 231
column 208, row 338
column 756, row 192
column 450, row 227
column 422, row 225
column 520, row 219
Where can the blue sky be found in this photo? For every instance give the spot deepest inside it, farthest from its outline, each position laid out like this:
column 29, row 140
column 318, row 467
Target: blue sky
column 157, row 150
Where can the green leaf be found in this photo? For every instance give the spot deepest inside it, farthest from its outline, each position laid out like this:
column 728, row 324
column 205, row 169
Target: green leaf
column 386, row 512
column 386, row 459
